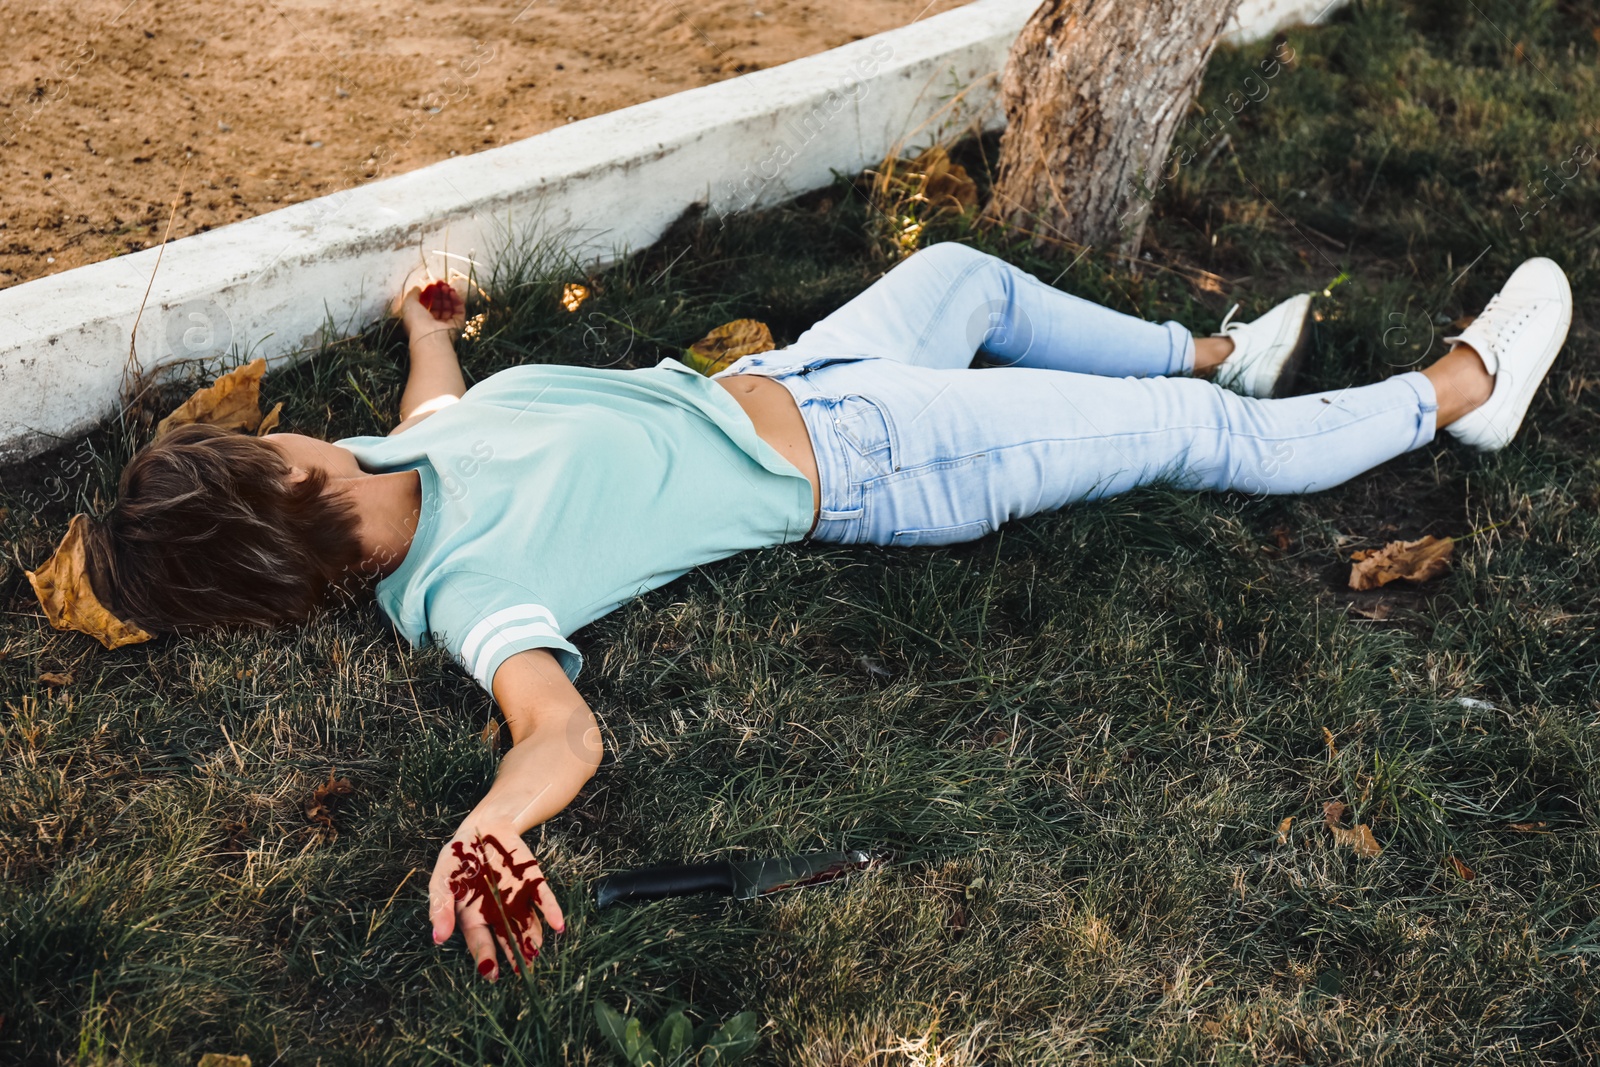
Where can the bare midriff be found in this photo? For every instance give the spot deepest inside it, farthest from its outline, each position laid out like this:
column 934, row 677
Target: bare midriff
column 777, row 420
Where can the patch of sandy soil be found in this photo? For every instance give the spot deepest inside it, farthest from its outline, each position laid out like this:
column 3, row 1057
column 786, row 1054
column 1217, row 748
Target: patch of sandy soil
column 110, row 111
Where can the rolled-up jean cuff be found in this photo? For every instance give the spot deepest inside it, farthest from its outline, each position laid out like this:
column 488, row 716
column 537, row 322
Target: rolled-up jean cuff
column 1427, row 406
column 1180, row 354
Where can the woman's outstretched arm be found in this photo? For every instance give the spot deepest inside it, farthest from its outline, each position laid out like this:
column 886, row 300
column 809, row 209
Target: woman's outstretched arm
column 434, row 379
column 486, row 879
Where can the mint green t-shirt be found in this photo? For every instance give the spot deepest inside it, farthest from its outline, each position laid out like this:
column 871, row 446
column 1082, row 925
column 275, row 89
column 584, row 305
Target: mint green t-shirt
column 552, row 494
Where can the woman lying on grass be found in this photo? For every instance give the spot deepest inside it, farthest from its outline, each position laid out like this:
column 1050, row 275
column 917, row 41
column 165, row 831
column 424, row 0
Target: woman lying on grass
column 501, row 518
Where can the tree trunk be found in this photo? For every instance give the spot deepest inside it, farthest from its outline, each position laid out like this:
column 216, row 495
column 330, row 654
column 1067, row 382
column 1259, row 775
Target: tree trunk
column 1094, row 91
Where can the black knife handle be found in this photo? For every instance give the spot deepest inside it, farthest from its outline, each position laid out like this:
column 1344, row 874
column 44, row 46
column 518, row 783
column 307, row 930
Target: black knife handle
column 656, row 883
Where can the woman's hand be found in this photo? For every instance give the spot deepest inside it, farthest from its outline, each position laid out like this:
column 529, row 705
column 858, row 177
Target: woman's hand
column 487, row 880
column 445, row 308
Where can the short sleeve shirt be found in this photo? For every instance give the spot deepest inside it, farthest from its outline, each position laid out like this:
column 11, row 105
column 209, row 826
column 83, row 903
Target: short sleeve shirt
column 553, row 494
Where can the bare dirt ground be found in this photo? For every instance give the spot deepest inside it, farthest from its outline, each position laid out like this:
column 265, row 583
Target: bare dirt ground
column 111, row 111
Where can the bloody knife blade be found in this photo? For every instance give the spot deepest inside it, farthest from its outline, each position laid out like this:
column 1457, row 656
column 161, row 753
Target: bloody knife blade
column 741, row 879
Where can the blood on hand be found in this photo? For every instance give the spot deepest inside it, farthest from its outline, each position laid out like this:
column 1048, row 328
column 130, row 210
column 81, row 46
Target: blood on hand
column 439, row 299
column 508, row 909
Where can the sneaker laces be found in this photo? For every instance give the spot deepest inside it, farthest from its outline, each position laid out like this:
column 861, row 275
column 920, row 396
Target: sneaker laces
column 1486, row 322
column 1228, row 318
column 1496, row 329
column 1231, row 367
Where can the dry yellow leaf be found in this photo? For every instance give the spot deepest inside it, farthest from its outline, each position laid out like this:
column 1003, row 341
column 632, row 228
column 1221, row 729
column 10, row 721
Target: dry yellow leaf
column 1414, row 561
column 1358, row 838
column 573, row 295
column 1327, row 738
column 1466, row 873
column 270, row 420
column 218, row 1059
column 62, row 586
column 1528, row 827
column 718, row 350
column 55, row 678
column 1283, row 829
column 945, row 185
column 233, row 402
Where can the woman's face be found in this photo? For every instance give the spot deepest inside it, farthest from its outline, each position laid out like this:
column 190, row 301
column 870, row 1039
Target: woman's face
column 306, row 454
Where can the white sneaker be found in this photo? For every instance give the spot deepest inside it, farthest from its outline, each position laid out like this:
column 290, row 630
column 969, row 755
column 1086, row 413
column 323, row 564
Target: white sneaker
column 1517, row 337
column 1267, row 352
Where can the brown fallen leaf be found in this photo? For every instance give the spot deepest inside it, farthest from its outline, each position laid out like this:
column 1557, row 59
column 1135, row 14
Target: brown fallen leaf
column 1327, row 739
column 324, row 798
column 1283, row 829
column 52, row 678
column 269, row 421
column 1414, row 561
column 945, row 185
column 1528, row 827
column 717, row 350
column 218, row 1059
column 1467, row 873
column 233, row 402
column 1358, row 838
column 1377, row 613
column 62, row 586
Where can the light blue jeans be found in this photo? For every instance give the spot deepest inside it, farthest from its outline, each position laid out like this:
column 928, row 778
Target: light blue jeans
column 915, row 447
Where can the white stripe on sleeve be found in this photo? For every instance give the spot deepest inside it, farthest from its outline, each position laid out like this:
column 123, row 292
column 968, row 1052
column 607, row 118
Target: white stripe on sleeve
column 480, row 667
column 517, row 614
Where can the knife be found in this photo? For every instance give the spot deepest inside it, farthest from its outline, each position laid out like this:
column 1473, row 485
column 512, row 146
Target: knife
column 742, row 880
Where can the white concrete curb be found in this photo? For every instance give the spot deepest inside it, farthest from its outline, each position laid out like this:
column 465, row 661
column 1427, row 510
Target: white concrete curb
column 269, row 285
column 1256, row 19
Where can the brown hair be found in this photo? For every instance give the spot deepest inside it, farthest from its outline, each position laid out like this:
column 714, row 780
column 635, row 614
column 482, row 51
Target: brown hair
column 208, row 531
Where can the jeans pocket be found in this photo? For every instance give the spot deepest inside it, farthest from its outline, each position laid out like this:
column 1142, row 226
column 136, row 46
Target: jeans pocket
column 943, row 535
column 865, row 429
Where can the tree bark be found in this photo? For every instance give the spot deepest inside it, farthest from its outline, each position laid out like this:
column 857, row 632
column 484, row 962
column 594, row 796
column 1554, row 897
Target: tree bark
column 1094, row 91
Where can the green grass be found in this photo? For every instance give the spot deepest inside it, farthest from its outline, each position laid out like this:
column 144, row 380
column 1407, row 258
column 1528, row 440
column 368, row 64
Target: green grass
column 1079, row 736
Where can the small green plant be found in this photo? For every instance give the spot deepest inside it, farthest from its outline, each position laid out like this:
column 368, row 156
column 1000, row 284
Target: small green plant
column 676, row 1041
